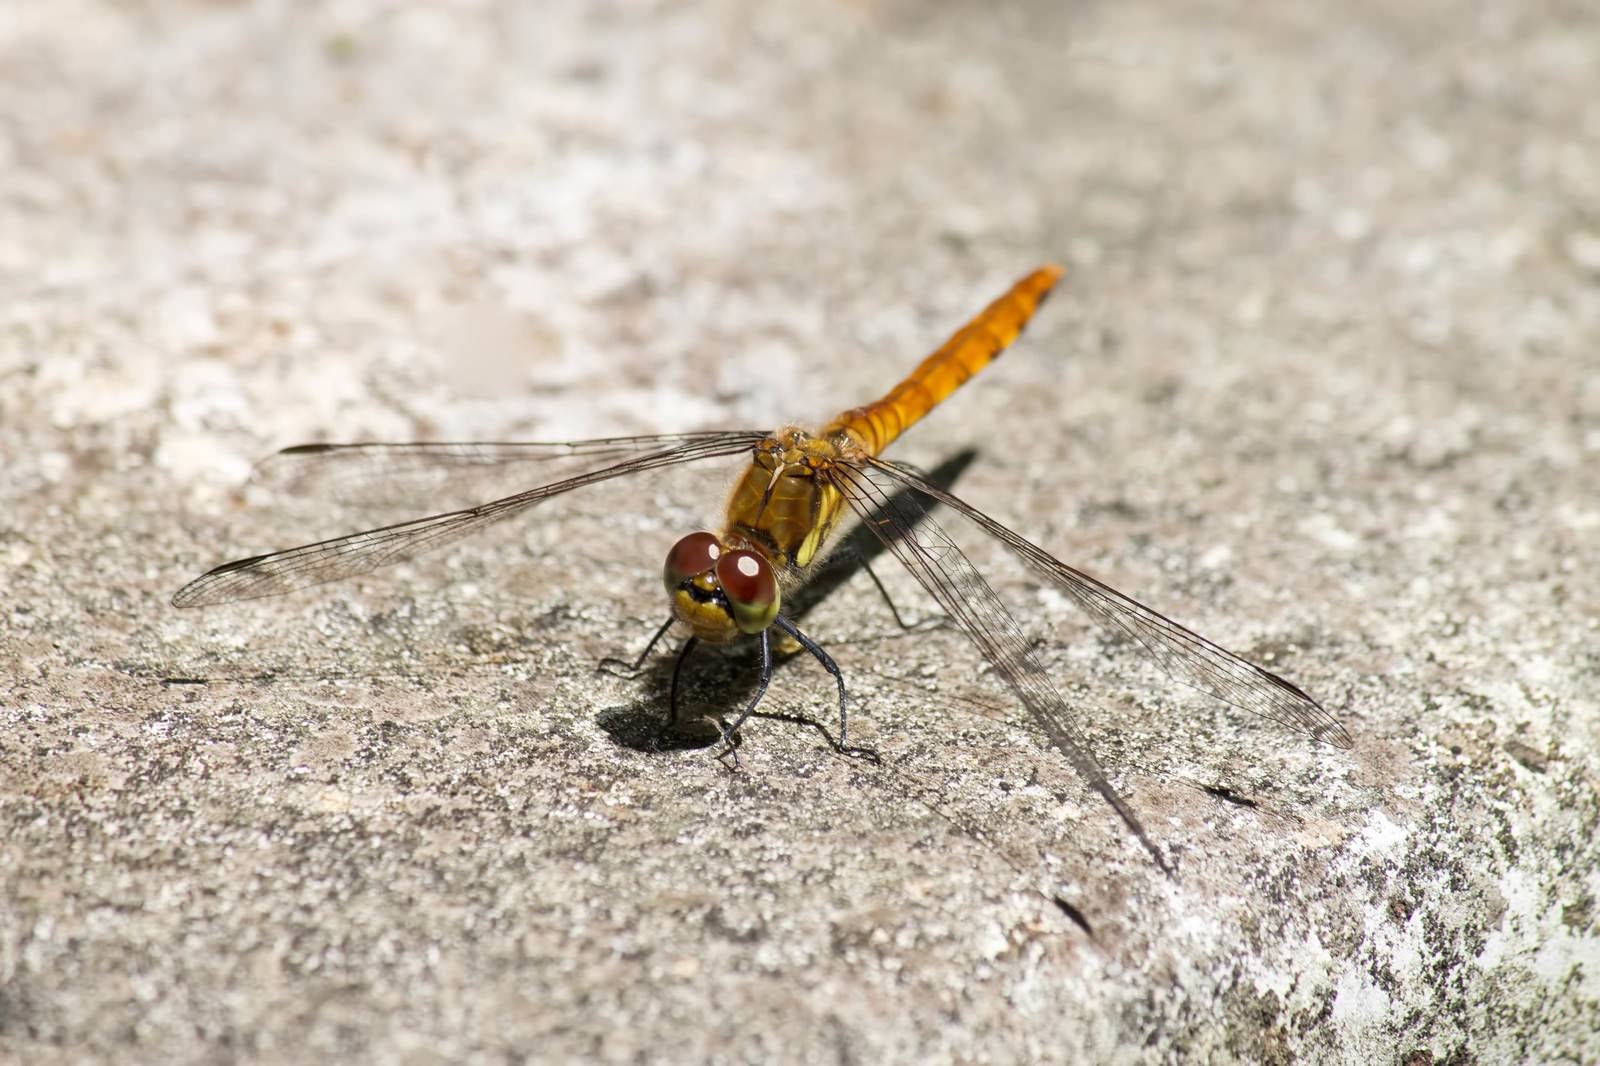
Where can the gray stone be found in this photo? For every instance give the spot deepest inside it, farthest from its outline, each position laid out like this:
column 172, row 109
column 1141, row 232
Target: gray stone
column 1320, row 383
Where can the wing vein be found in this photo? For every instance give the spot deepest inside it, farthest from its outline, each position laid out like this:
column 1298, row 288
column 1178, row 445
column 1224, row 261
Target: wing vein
column 1182, row 653
column 367, row 550
column 901, row 522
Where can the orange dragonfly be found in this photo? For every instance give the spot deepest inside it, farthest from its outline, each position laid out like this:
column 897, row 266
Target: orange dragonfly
column 728, row 585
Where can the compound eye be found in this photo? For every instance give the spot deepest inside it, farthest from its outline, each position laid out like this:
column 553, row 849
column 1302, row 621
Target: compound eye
column 751, row 587
column 690, row 557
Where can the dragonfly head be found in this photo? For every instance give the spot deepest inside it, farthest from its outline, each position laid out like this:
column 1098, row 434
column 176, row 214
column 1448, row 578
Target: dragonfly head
column 719, row 592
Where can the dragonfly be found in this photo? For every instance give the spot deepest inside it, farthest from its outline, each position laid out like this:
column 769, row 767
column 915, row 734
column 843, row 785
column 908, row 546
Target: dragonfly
column 730, row 585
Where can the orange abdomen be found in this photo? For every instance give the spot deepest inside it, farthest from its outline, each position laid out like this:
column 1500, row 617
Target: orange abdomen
column 972, row 348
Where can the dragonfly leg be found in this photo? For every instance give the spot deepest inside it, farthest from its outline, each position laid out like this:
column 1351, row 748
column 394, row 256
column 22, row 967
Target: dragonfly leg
column 677, row 669
column 920, row 625
column 833, row 668
column 765, row 643
column 621, row 668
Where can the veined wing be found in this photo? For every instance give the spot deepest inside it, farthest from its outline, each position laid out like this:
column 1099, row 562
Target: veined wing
column 1182, row 653
column 900, row 521
column 310, row 468
column 359, row 553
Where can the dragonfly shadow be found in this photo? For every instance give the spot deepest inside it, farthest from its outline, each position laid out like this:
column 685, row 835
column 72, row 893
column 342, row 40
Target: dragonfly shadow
column 860, row 548
column 714, row 683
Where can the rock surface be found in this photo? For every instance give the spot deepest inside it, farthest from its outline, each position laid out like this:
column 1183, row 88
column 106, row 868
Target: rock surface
column 1321, row 382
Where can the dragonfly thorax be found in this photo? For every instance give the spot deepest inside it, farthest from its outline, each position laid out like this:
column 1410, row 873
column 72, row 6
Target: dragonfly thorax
column 785, row 502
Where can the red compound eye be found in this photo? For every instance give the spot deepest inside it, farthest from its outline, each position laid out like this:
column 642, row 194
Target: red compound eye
column 690, row 557
column 751, row 587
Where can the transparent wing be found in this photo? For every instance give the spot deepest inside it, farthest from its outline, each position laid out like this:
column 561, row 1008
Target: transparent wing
column 359, row 553
column 1182, row 653
column 339, row 468
column 900, row 521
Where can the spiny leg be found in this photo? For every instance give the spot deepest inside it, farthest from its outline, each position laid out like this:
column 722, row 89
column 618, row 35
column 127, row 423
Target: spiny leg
column 677, row 669
column 765, row 643
column 920, row 625
column 620, row 668
column 833, row 668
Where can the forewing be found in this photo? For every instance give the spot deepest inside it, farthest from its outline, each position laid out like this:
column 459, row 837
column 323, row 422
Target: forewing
column 1182, row 653
column 899, row 519
column 377, row 473
column 359, row 553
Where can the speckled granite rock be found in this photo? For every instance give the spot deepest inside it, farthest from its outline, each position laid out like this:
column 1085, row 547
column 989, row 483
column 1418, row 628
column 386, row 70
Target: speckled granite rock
column 1321, row 382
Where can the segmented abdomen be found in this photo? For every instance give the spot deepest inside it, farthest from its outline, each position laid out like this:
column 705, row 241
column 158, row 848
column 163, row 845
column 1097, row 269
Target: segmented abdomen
column 973, row 347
